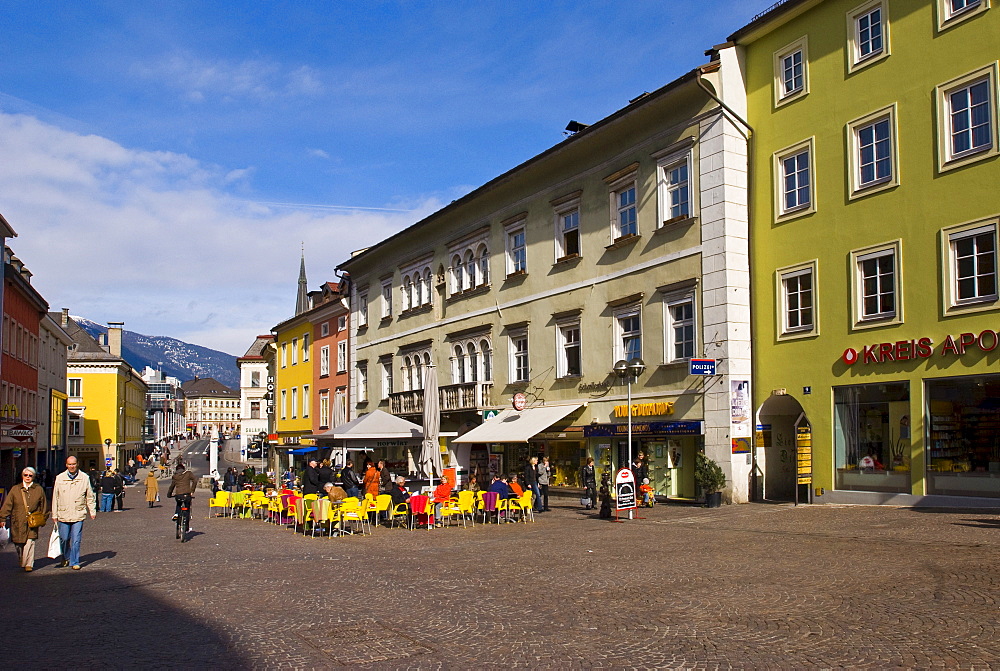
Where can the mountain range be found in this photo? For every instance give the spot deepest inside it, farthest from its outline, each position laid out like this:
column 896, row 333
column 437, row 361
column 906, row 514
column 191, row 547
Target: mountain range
column 172, row 356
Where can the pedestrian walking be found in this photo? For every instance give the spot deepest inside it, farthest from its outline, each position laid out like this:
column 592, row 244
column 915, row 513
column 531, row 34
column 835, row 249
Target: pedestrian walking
column 24, row 499
column 588, row 478
column 152, row 488
column 72, row 500
column 544, row 477
column 531, row 482
column 108, row 485
column 118, row 504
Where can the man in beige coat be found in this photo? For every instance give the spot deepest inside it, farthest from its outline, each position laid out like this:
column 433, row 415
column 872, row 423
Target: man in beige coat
column 72, row 500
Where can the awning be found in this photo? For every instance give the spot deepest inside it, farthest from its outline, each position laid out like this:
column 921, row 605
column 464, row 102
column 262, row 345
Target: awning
column 511, row 426
column 376, row 425
column 302, row 450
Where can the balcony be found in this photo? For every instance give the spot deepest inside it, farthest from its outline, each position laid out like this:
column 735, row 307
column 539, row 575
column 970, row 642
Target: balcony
column 452, row 398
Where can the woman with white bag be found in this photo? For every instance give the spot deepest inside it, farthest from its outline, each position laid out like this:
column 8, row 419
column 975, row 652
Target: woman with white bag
column 26, row 505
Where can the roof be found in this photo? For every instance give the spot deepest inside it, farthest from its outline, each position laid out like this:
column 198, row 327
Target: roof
column 775, row 11
column 376, row 425
column 256, row 350
column 206, row 386
column 597, row 126
column 85, row 347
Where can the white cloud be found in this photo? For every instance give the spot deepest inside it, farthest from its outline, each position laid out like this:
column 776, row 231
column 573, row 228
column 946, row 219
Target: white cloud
column 318, row 153
column 154, row 238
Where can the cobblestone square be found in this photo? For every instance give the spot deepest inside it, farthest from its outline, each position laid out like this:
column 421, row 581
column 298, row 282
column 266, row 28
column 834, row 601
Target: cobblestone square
column 752, row 586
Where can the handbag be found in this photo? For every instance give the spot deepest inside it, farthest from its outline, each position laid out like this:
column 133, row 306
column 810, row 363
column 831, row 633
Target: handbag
column 37, row 518
column 55, row 545
column 584, row 501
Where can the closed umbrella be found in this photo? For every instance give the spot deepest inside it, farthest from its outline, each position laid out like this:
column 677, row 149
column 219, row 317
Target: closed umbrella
column 430, row 454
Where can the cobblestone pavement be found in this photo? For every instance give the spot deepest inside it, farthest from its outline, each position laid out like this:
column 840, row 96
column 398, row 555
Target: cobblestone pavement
column 752, row 586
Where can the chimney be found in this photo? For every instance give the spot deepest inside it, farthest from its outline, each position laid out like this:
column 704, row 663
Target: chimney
column 115, row 337
column 65, row 318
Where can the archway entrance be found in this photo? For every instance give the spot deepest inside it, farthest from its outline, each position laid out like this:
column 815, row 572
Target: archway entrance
column 778, row 420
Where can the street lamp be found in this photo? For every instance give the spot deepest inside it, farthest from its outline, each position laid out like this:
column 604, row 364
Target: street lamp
column 629, row 371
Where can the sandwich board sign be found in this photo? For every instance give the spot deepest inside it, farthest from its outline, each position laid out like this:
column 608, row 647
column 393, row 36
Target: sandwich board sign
column 624, row 490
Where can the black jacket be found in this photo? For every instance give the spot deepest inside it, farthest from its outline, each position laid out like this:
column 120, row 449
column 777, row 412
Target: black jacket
column 310, row 481
column 112, row 484
column 398, row 495
column 530, row 475
column 349, row 478
column 325, row 475
column 588, row 476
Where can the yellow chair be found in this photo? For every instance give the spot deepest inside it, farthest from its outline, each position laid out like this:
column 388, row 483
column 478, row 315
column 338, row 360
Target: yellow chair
column 320, row 514
column 448, row 510
column 220, row 500
column 275, row 508
column 302, row 514
column 383, row 502
column 467, row 505
column 354, row 512
column 238, row 500
column 397, row 512
column 504, row 510
column 257, row 502
column 522, row 505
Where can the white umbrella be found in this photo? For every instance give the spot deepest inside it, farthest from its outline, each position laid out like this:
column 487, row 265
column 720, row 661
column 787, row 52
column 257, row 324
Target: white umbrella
column 430, row 454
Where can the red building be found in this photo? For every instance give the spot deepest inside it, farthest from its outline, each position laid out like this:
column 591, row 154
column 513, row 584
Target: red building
column 23, row 310
column 329, row 317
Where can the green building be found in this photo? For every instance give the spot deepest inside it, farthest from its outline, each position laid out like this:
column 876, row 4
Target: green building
column 874, row 214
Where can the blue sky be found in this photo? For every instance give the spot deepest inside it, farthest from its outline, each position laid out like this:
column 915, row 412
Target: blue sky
column 163, row 162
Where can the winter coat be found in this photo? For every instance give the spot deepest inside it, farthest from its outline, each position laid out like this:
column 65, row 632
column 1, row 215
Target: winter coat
column 385, row 480
column 544, row 471
column 73, row 499
column 13, row 505
column 371, row 481
column 310, row 481
column 152, row 487
column 182, row 483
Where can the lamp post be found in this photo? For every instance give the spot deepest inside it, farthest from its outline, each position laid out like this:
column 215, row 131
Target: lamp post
column 628, row 371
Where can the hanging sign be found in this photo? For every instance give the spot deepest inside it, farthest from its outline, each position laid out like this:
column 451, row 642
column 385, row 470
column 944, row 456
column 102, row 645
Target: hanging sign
column 701, row 367
column 624, row 490
column 520, row 401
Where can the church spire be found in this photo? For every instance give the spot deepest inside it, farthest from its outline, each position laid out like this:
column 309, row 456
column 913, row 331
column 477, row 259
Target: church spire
column 302, row 298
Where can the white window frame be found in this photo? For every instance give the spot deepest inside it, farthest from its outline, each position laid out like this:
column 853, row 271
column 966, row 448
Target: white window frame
column 284, row 355
column 628, row 182
column 284, row 404
column 342, row 356
column 516, row 266
column 305, row 347
column 385, row 373
column 362, row 378
column 783, row 275
column 953, row 234
column 295, row 402
column 74, row 382
column 324, row 410
column 324, row 329
column 341, row 322
column 564, row 330
column 781, row 210
column 363, row 309
column 514, row 338
column 857, row 60
column 859, row 257
column 948, row 16
column 626, row 312
column 564, row 208
column 671, row 301
column 387, row 299
column 324, row 360
column 306, row 401
column 854, row 129
column 947, row 159
column 295, row 351
column 782, row 94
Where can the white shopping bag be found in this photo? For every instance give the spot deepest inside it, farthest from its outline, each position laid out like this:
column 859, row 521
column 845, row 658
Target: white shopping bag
column 55, row 547
column 4, row 537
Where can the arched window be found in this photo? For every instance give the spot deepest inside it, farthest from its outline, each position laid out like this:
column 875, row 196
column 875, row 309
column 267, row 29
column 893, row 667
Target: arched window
column 470, row 270
column 418, row 382
column 459, row 368
column 456, row 274
column 427, row 286
column 418, row 291
column 487, row 354
column 473, row 362
column 407, row 294
column 484, row 265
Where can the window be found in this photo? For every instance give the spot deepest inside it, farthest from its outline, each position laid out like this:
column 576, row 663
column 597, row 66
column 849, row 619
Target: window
column 471, row 270
column 427, row 286
column 797, row 299
column 873, row 156
column 876, row 284
column 387, row 299
column 484, row 269
column 284, row 404
column 295, row 402
column 295, row 351
column 569, row 363
column 487, row 353
column 75, row 426
column 324, row 360
column 362, row 390
column 341, row 322
column 625, row 221
column 950, row 12
column 255, row 378
column 305, row 347
column 794, row 191
column 458, row 365
column 386, row 370
column 324, row 410
column 407, row 293
column 457, row 274
column 284, row 354
column 628, row 327
column 971, row 272
column 342, row 356
column 967, row 118
column 519, row 356
column 869, row 34
column 362, row 309
column 681, row 331
column 791, row 80
column 306, row 400
column 567, row 213
column 517, row 255
column 74, row 387
column 324, row 329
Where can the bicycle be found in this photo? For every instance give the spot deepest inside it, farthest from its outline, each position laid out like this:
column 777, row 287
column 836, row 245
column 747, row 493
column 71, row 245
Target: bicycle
column 183, row 516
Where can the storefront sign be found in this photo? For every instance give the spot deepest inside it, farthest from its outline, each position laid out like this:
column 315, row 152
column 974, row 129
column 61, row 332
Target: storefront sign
column 741, row 446
column 643, row 429
column 645, row 409
column 701, row 367
column 20, row 432
column 489, row 414
column 588, row 387
column 624, row 490
column 803, row 455
column 9, row 410
column 922, row 348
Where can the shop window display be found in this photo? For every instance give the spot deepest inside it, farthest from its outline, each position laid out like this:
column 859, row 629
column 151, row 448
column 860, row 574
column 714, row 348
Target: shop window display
column 872, row 437
column 963, row 436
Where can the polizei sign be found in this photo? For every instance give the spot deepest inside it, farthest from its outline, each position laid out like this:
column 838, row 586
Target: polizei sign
column 921, row 348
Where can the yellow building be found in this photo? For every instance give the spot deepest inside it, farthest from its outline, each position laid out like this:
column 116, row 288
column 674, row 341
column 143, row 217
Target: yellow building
column 107, row 399
column 294, row 372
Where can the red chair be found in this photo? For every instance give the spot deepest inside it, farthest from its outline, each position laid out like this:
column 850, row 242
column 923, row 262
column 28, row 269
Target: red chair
column 418, row 508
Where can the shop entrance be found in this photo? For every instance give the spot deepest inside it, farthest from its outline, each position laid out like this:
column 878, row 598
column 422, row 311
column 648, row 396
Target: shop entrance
column 777, row 420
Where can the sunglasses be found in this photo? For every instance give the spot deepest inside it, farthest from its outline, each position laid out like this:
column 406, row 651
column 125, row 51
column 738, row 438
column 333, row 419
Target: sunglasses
column 27, row 475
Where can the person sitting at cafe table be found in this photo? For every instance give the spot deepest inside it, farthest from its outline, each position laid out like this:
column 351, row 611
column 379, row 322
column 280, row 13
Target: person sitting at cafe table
column 398, row 492
column 442, row 494
column 334, row 493
column 499, row 485
column 516, row 490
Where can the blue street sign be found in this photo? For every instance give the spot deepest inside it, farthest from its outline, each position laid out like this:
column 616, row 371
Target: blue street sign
column 702, row 367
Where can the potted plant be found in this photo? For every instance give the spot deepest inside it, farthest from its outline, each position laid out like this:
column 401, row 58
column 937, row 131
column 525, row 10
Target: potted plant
column 709, row 476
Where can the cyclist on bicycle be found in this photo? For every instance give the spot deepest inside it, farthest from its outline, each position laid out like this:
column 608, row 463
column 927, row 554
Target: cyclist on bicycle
column 181, row 485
